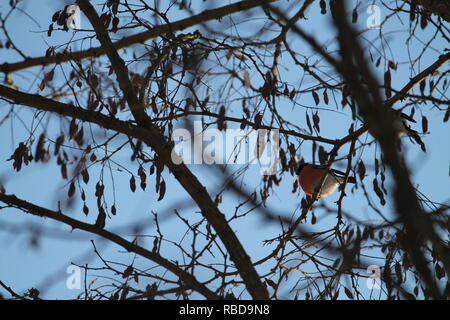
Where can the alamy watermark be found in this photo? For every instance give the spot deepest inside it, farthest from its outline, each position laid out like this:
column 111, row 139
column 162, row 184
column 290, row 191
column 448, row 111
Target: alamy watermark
column 374, row 19
column 73, row 281
column 74, row 19
column 230, row 146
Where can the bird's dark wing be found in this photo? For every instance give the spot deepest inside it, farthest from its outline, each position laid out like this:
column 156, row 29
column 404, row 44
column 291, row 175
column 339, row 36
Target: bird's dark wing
column 338, row 172
column 341, row 174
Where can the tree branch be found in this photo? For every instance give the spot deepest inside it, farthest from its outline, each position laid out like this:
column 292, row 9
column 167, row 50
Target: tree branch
column 247, row 123
column 153, row 138
column 117, row 64
column 35, row 210
column 355, row 70
column 437, row 7
column 11, row 292
column 416, row 79
column 162, row 148
column 142, row 37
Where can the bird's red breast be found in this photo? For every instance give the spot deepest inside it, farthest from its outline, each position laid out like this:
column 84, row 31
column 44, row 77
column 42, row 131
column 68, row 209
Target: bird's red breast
column 310, row 177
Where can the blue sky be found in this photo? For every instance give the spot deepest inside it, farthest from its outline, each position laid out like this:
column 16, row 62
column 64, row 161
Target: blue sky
column 23, row 265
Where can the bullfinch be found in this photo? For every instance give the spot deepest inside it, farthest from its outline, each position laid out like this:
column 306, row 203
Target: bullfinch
column 400, row 124
column 402, row 128
column 310, row 177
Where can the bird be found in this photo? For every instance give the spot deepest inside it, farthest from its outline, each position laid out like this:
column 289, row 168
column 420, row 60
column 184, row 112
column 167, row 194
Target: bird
column 400, row 124
column 310, row 177
column 402, row 128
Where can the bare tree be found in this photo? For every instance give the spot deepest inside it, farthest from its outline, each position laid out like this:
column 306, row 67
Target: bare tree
column 101, row 110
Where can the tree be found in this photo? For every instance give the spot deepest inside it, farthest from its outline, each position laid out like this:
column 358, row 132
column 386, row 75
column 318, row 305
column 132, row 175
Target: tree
column 103, row 103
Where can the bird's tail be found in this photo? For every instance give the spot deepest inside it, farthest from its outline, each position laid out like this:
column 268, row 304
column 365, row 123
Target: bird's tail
column 349, row 180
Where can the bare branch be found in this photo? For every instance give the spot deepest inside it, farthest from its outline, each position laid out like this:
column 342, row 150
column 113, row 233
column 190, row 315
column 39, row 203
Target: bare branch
column 190, row 183
column 131, row 247
column 142, row 37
